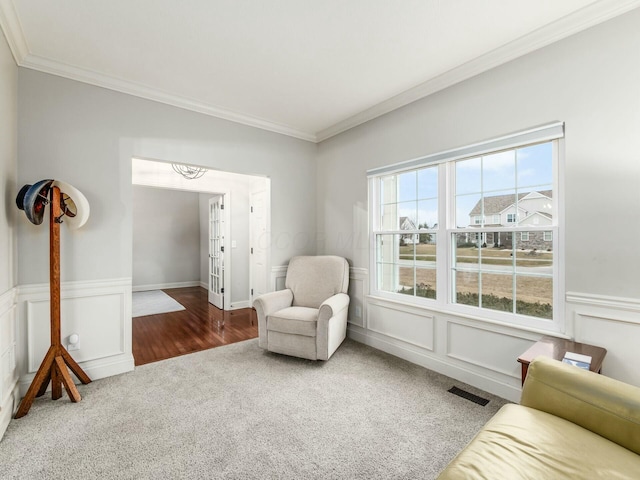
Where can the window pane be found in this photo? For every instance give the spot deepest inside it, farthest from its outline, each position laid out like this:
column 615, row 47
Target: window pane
column 427, row 213
column 502, row 205
column 387, row 251
column 466, row 288
column 499, row 171
column 467, row 253
column 407, row 183
column 406, row 282
column 497, row 259
column 428, row 183
column 389, row 220
column 468, row 207
column 532, row 255
column 408, row 216
column 534, row 296
column 425, row 282
column 468, row 178
column 535, row 165
column 497, row 292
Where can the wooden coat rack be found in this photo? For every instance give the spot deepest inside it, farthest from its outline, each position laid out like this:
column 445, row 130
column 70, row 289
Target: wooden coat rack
column 54, row 366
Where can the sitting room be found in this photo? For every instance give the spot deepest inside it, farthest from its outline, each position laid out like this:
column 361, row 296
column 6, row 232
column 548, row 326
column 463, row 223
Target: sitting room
column 437, row 270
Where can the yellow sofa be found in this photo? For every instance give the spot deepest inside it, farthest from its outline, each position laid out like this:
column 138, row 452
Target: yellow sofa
column 570, row 424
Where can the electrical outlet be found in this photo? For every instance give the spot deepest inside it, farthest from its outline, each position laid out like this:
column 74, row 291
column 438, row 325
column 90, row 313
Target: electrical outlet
column 73, row 346
column 358, row 311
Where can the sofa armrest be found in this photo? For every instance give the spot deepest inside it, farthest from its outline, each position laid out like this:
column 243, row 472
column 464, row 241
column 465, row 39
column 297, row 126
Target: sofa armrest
column 605, row 406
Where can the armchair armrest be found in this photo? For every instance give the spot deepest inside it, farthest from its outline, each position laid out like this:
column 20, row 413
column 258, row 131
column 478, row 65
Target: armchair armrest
column 600, row 404
column 272, row 302
column 331, row 306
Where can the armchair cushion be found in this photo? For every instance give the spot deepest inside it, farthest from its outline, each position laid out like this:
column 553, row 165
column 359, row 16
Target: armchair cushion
column 294, row 320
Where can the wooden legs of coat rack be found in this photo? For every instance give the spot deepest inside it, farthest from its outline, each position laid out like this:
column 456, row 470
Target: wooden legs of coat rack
column 54, row 366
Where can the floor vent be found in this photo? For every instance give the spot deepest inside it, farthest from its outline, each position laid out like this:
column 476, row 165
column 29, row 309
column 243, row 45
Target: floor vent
column 469, row 396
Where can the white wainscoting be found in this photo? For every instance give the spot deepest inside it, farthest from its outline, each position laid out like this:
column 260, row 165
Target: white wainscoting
column 358, row 291
column 98, row 311
column 8, row 372
column 612, row 323
column 484, row 354
column 278, row 276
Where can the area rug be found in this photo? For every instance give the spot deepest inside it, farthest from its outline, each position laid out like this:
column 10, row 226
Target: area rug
column 153, row 302
column 238, row 412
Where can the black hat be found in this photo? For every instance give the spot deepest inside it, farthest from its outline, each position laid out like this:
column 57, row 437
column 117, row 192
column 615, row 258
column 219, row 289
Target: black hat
column 32, row 199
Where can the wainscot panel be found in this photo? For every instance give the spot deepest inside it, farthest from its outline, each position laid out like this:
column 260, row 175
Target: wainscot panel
column 8, row 370
column 485, row 348
column 612, row 323
column 410, row 324
column 358, row 290
column 98, row 311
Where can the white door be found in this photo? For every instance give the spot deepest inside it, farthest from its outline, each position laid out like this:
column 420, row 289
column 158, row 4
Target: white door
column 216, row 251
column 259, row 244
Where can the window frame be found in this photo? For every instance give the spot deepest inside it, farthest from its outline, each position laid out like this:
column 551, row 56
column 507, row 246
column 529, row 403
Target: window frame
column 445, row 229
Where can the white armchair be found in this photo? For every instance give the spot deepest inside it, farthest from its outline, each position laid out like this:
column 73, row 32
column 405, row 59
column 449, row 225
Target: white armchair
column 309, row 318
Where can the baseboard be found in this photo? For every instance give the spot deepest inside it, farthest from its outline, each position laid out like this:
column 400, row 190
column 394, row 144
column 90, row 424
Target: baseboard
column 430, row 361
column 204, row 285
column 95, row 369
column 161, row 286
column 239, row 305
column 8, row 407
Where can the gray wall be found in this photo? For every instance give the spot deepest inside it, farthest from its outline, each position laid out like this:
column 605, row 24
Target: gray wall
column 87, row 135
column 591, row 81
column 8, row 165
column 166, row 236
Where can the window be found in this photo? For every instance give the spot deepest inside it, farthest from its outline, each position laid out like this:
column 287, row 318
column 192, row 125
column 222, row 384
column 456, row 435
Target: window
column 406, row 243
column 432, row 243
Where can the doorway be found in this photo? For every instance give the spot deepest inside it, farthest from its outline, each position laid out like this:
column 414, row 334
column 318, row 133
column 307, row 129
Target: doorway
column 228, row 276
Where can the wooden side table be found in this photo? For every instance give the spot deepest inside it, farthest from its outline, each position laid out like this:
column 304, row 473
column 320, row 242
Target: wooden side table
column 556, row 348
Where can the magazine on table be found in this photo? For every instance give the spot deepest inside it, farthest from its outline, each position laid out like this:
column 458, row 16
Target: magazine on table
column 577, row 360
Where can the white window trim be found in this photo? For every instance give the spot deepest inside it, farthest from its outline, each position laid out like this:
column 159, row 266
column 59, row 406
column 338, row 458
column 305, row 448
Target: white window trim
column 446, row 181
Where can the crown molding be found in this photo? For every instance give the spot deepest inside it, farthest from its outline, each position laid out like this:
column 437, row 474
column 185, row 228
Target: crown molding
column 582, row 19
column 10, row 25
column 45, row 65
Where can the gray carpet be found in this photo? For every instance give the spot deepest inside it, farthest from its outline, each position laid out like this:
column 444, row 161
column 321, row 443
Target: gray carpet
column 236, row 412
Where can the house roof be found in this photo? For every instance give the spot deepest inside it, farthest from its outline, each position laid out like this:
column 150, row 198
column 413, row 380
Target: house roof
column 497, row 203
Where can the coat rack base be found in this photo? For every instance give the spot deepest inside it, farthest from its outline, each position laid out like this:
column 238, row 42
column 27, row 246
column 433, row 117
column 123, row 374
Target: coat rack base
column 54, row 369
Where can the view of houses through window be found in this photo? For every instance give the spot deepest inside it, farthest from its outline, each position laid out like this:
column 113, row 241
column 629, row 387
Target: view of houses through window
column 495, row 214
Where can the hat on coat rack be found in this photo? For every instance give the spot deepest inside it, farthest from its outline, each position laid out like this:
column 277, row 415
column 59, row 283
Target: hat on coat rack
column 33, row 199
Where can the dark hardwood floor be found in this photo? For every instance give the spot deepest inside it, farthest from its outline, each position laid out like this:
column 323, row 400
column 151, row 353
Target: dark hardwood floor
column 200, row 327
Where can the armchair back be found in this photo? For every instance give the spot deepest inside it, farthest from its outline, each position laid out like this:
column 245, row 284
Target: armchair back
column 313, row 279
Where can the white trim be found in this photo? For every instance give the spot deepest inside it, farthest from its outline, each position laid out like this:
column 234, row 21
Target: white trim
column 8, row 300
column 9, row 406
column 95, row 369
column 10, row 25
column 202, row 284
column 428, row 360
column 69, row 289
column 604, row 301
column 584, row 18
column 161, row 286
column 240, row 304
column 79, row 74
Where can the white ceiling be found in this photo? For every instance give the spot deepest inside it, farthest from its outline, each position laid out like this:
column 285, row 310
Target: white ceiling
column 305, row 68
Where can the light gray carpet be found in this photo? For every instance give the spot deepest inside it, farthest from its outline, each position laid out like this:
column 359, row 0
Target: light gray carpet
column 153, row 302
column 237, row 412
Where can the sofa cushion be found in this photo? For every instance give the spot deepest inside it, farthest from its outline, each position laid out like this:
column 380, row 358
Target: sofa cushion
column 524, row 443
column 294, row 320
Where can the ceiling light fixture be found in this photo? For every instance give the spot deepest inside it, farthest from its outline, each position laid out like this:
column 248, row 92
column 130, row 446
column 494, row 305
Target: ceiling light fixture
column 188, row 171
